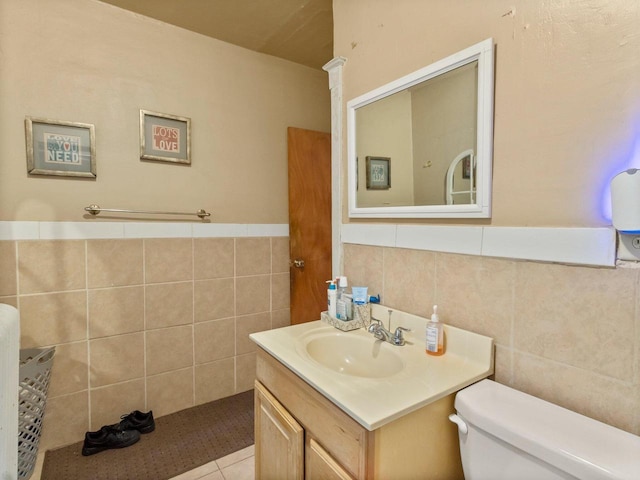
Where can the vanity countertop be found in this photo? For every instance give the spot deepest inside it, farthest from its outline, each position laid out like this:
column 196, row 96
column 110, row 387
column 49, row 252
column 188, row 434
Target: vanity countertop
column 374, row 402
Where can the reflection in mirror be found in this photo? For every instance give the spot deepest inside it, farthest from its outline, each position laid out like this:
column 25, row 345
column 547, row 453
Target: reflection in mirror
column 435, row 128
column 460, row 185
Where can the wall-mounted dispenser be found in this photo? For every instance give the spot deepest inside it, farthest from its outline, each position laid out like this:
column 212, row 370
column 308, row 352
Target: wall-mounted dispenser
column 625, row 213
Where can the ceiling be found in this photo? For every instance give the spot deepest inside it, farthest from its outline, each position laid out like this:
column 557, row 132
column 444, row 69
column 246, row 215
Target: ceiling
column 297, row 30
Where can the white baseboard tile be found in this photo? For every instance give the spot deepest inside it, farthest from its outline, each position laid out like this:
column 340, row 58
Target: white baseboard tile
column 19, row 230
column 157, row 230
column 80, row 230
column 25, row 230
column 451, row 239
column 381, row 235
column 580, row 246
column 268, row 230
column 211, row 230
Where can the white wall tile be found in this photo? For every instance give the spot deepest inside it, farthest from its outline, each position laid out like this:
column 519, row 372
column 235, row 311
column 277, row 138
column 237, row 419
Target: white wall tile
column 268, row 230
column 466, row 240
column 580, row 246
column 19, row 230
column 10, row 230
column 207, row 230
column 379, row 235
column 157, row 230
column 80, row 230
column 583, row 246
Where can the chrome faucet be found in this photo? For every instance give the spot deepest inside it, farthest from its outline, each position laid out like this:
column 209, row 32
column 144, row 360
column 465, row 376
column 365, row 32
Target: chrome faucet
column 381, row 333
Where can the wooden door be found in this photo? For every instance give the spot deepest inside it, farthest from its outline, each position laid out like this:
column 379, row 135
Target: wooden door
column 309, row 222
column 279, row 439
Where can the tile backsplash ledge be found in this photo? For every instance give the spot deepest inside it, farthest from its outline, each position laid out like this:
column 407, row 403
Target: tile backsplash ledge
column 96, row 229
column 578, row 246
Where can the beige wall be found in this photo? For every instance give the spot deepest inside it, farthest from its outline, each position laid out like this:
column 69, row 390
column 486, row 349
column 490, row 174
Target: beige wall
column 566, row 97
column 85, row 61
column 566, row 113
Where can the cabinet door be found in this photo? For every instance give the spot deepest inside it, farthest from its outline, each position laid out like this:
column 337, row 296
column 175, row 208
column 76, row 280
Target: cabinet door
column 279, row 439
column 320, row 466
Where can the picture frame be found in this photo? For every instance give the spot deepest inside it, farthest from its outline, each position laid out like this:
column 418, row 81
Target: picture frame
column 378, row 173
column 60, row 148
column 165, row 138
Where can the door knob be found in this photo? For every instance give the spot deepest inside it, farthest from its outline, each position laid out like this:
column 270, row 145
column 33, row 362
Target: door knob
column 298, row 263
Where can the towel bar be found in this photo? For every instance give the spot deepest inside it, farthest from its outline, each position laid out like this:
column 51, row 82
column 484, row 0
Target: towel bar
column 96, row 209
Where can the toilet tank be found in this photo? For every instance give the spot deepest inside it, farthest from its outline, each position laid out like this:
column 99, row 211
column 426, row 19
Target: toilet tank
column 507, row 434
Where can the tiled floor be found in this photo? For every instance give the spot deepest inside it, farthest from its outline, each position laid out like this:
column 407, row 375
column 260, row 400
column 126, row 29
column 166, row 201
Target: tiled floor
column 236, row 466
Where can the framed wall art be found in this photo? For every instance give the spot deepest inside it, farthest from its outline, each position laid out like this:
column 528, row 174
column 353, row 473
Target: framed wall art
column 60, row 148
column 378, row 173
column 165, row 138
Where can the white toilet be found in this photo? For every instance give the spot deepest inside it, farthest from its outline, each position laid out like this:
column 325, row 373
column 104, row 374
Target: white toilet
column 507, row 434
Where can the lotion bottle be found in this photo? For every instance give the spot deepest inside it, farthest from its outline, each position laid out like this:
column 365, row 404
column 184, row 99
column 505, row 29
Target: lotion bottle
column 332, row 298
column 435, row 335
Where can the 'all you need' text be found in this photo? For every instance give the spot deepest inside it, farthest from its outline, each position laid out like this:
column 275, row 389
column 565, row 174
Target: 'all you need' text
column 62, row 148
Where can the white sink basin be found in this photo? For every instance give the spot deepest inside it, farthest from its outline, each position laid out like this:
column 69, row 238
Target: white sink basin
column 357, row 356
column 372, row 381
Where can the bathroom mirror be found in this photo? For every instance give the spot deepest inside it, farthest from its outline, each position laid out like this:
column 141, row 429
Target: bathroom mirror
column 421, row 146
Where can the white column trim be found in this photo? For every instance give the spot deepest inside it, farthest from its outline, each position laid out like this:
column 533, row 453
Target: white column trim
column 334, row 68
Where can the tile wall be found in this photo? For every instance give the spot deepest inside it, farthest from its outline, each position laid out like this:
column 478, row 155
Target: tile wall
column 158, row 323
column 567, row 334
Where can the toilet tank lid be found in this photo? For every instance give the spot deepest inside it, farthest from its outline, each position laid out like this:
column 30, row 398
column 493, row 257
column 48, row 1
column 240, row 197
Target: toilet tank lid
column 576, row 444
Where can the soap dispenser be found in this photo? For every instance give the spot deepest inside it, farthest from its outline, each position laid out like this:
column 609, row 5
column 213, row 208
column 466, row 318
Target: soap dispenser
column 435, row 335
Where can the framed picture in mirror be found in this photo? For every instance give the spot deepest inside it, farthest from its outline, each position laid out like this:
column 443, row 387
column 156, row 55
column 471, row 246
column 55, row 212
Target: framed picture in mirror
column 378, row 173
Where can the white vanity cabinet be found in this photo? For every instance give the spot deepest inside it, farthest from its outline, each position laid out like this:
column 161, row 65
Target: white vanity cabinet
column 299, row 433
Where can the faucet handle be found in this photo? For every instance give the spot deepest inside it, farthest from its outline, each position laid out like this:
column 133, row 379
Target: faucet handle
column 398, row 338
column 373, row 326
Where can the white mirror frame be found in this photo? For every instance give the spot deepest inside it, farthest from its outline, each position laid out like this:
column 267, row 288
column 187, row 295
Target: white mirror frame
column 482, row 53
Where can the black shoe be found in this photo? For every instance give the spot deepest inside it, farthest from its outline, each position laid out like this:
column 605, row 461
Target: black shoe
column 108, row 437
column 142, row 422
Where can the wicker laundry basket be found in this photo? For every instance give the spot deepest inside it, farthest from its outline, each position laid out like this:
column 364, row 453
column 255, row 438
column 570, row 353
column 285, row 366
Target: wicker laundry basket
column 35, row 373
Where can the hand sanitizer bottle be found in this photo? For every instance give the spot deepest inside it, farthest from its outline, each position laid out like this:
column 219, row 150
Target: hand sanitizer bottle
column 435, row 335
